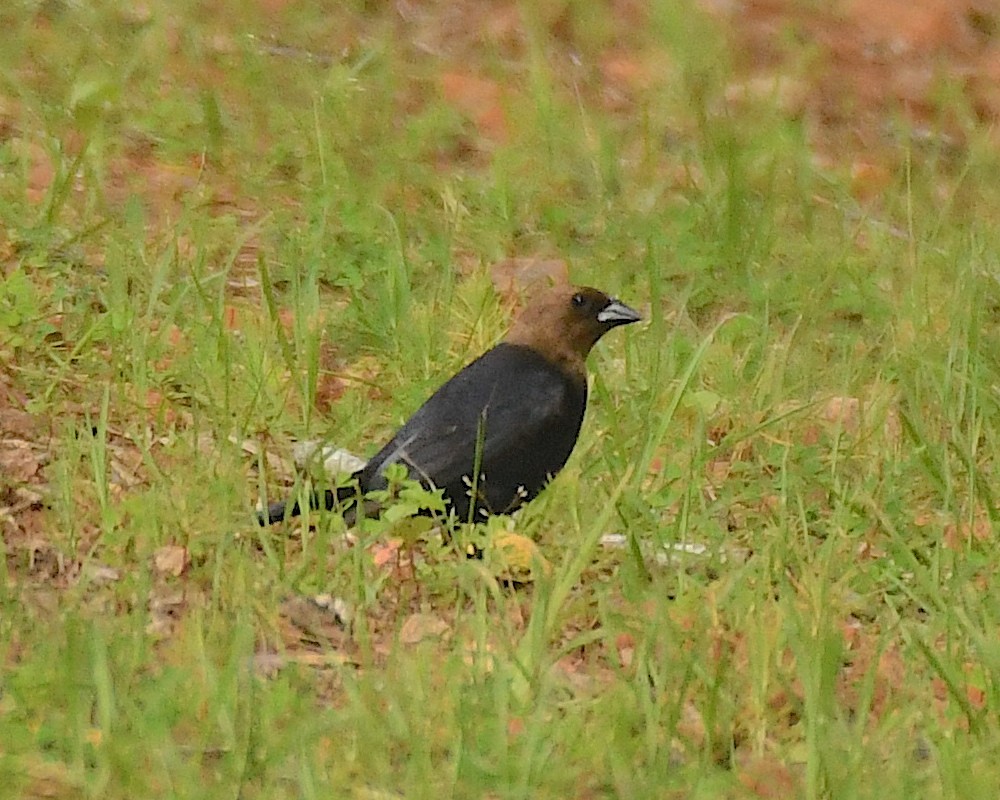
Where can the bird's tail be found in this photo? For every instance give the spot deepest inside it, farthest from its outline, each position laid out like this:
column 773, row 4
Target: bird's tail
column 342, row 498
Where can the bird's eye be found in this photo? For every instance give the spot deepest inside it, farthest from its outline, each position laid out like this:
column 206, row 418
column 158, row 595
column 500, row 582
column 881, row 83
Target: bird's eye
column 578, row 300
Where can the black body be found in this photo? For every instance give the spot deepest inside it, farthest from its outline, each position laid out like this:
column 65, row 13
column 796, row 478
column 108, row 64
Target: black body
column 529, row 412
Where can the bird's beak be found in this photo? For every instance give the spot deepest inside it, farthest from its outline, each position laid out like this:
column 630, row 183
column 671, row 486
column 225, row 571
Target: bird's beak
column 617, row 313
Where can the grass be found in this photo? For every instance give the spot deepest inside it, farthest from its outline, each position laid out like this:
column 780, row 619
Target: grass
column 223, row 227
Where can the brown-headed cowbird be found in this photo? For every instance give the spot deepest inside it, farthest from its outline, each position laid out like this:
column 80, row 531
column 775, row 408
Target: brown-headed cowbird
column 517, row 409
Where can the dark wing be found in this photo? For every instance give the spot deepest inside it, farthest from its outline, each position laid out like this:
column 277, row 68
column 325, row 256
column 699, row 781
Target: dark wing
column 528, row 411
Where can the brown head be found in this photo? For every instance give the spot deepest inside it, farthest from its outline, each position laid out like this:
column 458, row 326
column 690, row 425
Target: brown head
column 563, row 323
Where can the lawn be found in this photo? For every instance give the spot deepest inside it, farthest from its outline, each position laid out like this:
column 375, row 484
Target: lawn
column 227, row 228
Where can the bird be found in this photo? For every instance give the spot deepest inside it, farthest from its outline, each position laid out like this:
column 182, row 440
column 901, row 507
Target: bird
column 516, row 411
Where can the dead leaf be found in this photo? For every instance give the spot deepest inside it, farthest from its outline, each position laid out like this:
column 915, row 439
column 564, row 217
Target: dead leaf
column 480, row 99
column 385, row 552
column 869, row 551
column 286, row 318
column 175, row 336
column 268, row 664
column 321, row 618
column 691, row 726
column 623, row 68
column 18, row 460
column 768, row 778
column 580, row 676
column 419, row 627
column 126, row 463
column 869, row 180
column 20, row 424
column 845, row 412
column 100, row 573
column 958, row 536
column 329, row 389
column 625, row 645
column 902, row 25
column 171, row 559
column 976, row 696
column 45, row 779
column 230, row 318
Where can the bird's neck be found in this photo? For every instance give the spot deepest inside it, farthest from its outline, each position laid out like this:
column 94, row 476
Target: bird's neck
column 566, row 359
